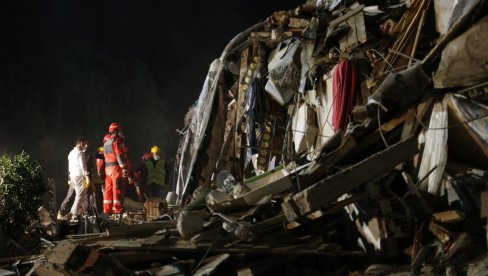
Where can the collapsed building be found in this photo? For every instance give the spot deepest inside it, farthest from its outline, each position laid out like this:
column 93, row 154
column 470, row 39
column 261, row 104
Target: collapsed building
column 326, row 139
column 348, row 106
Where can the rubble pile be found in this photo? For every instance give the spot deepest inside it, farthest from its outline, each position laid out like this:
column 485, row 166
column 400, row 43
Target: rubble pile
column 339, row 138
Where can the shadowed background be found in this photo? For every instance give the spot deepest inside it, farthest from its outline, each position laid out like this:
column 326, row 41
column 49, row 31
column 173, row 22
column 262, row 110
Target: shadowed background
column 70, row 68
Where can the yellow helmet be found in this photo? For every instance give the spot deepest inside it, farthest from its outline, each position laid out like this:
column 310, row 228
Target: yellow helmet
column 155, row 149
column 100, row 149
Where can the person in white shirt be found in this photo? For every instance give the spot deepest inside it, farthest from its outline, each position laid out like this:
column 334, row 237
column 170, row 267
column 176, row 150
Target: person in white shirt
column 78, row 173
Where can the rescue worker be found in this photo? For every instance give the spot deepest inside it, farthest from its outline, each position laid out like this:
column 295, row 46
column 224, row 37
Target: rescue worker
column 155, row 174
column 98, row 178
column 140, row 175
column 116, row 170
column 92, row 192
column 100, row 161
column 79, row 175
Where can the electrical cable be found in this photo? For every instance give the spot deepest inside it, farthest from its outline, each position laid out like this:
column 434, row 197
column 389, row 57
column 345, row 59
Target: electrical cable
column 451, row 126
column 203, row 257
column 379, row 127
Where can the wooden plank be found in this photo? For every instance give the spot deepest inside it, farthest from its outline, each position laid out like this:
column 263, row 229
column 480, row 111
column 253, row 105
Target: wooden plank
column 9, row 260
column 211, row 264
column 329, row 189
column 176, row 268
column 335, row 207
column 240, row 101
column 388, row 129
column 439, row 232
column 61, row 253
column 345, row 17
column 187, row 247
column 121, row 244
column 450, row 216
column 154, row 239
column 484, row 204
column 422, row 109
column 413, row 188
column 408, row 127
column 244, row 271
column 133, row 257
column 321, row 167
column 140, row 229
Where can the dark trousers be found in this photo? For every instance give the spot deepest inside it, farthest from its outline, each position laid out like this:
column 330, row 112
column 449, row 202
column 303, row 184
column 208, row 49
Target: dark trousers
column 155, row 190
column 68, row 201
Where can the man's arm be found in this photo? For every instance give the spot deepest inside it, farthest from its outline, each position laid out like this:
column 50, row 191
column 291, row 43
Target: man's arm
column 121, row 157
column 83, row 161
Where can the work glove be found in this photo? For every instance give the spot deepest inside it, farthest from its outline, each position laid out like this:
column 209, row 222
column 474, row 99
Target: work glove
column 125, row 173
column 87, row 182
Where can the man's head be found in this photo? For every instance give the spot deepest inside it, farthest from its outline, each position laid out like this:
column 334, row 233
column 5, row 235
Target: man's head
column 156, row 152
column 82, row 143
column 115, row 128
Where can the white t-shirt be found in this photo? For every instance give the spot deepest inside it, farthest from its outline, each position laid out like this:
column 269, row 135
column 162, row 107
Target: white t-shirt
column 77, row 163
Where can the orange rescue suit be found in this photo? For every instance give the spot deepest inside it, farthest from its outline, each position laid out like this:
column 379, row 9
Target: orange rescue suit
column 116, row 161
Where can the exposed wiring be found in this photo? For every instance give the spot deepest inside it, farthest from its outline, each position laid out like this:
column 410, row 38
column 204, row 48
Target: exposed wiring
column 387, row 62
column 403, row 55
column 393, row 70
column 379, row 127
column 451, row 126
column 296, row 130
column 203, row 257
column 473, row 87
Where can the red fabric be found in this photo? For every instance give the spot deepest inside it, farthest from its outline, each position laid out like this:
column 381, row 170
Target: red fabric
column 344, row 83
column 114, row 193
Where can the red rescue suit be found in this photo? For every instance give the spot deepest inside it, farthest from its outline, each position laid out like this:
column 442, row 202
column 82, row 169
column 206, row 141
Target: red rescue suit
column 116, row 162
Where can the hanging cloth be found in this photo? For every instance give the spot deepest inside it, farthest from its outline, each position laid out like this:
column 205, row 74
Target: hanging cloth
column 344, row 83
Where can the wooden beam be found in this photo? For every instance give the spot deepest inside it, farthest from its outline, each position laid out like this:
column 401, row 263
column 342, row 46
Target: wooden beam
column 449, row 216
column 10, row 260
column 130, row 257
column 140, row 229
column 211, row 264
column 329, row 189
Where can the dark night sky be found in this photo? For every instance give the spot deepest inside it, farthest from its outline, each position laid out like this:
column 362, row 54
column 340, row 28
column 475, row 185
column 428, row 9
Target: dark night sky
column 69, row 68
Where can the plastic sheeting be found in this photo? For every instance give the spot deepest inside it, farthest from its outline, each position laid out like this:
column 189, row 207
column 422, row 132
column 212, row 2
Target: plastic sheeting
column 443, row 11
column 435, row 149
column 473, row 135
column 304, row 128
column 284, row 71
column 463, row 61
column 201, row 114
column 196, row 130
column 399, row 90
